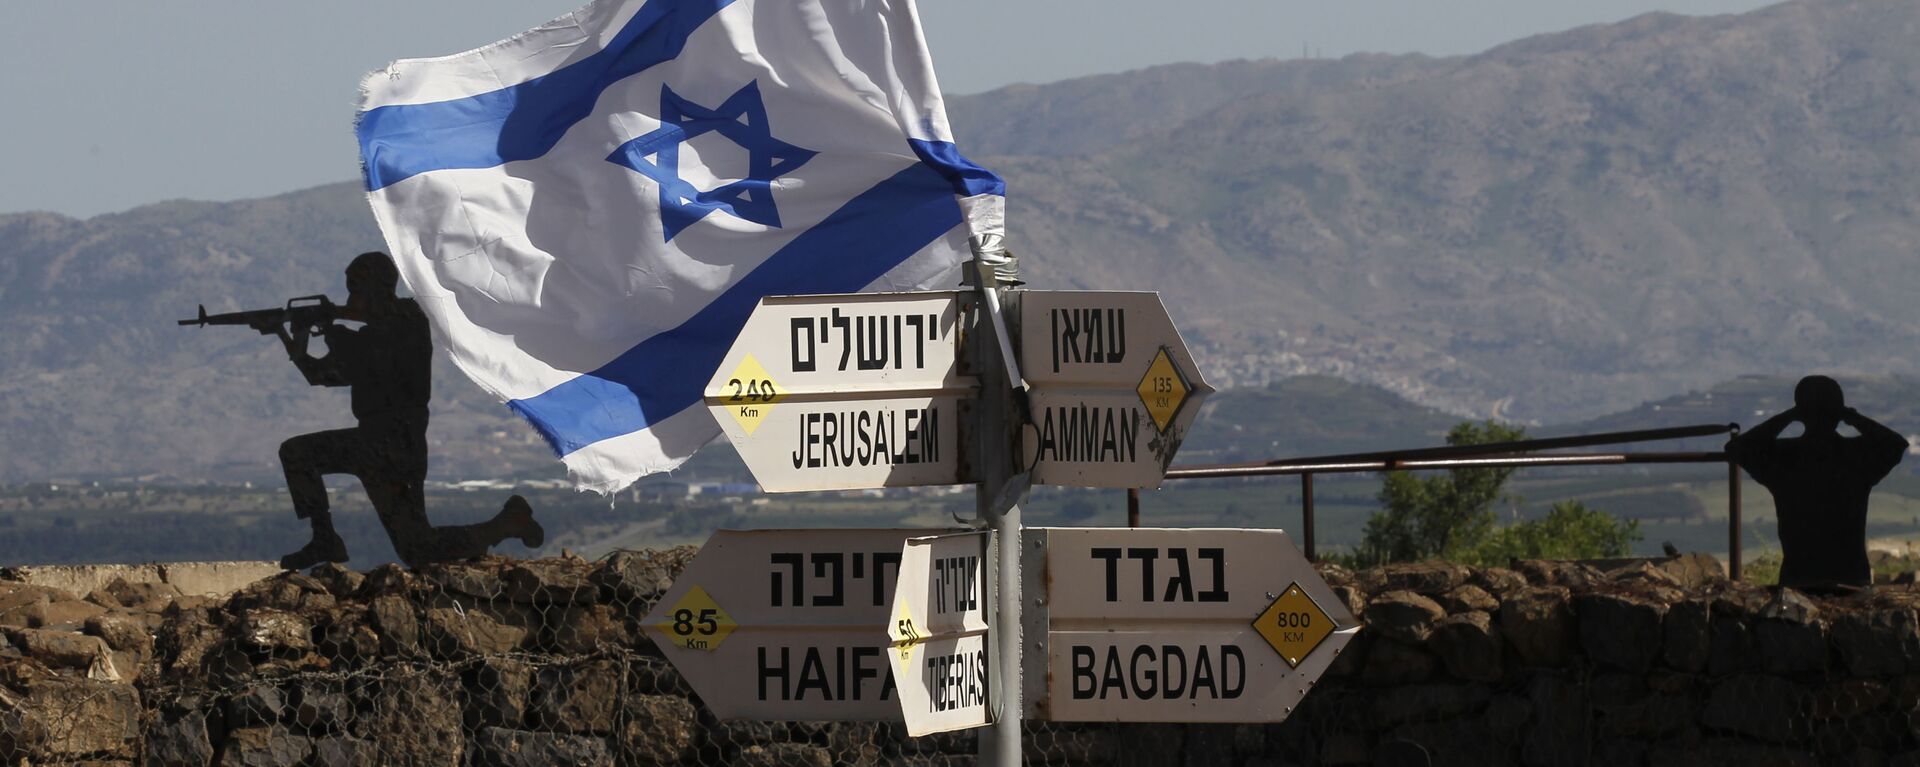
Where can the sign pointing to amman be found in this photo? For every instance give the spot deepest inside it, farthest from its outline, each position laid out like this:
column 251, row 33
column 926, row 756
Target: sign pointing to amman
column 1114, row 387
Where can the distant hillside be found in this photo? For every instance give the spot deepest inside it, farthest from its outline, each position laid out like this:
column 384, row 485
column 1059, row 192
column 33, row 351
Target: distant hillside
column 1553, row 229
column 1558, row 228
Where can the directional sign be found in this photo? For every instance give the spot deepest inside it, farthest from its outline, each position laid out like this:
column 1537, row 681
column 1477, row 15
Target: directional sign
column 939, row 633
column 1179, row 625
column 786, row 624
column 839, row 392
column 1114, row 387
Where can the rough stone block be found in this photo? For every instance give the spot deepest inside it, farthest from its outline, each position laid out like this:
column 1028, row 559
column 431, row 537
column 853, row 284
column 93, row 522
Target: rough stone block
column 578, row 698
column 124, row 633
column 1847, row 698
column 1506, row 714
column 1500, row 581
column 61, row 615
column 340, row 581
column 550, row 582
column 264, row 747
column 1390, row 662
column 1620, row 631
column 784, row 755
column 398, row 625
column 343, row 751
column 1687, row 638
column 498, row 747
column 455, row 635
column 1758, row 706
column 1559, row 735
column 1539, row 626
column 62, row 649
column 414, row 719
column 321, row 710
column 1655, row 716
column 1787, row 647
column 257, row 706
column 1403, row 615
column 1464, row 742
column 1425, row 578
column 179, row 741
column 1427, row 702
column 146, row 596
column 1728, row 752
column 276, row 631
column 60, row 718
column 660, row 730
column 1880, row 642
column 498, row 690
column 634, row 578
column 1468, row 598
column 583, row 629
column 1468, row 646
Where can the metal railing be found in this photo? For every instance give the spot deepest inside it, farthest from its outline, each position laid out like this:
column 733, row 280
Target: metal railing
column 1492, row 455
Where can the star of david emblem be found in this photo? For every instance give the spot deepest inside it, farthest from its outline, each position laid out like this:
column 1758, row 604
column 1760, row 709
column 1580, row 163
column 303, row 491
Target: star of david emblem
column 742, row 119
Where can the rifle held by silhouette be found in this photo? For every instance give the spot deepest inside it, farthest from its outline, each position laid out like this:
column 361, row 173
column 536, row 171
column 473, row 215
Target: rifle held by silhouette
column 314, row 312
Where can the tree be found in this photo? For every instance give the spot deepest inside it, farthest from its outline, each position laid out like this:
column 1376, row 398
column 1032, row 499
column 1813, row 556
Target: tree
column 1451, row 516
column 1448, row 515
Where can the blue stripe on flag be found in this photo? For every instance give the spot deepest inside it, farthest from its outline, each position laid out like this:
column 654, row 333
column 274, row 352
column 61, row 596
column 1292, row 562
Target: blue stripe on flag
column 967, row 178
column 524, row 121
column 668, row 372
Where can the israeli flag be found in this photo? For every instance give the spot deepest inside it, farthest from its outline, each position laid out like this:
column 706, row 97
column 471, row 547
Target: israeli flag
column 589, row 210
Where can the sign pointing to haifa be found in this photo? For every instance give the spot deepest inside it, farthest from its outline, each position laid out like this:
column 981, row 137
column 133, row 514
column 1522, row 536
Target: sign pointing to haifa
column 786, row 624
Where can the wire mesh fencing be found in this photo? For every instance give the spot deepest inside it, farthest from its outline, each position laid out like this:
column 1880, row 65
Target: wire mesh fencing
column 545, row 662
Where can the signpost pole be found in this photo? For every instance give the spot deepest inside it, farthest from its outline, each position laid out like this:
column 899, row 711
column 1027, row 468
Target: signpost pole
column 1000, row 744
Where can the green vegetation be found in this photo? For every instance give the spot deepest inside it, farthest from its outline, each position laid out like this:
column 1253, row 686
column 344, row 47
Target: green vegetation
column 1451, row 516
column 1569, row 531
column 1444, row 516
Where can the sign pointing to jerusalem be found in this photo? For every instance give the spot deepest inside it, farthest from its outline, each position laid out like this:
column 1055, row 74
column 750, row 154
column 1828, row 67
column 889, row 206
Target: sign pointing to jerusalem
column 838, row 392
column 1114, row 387
column 1182, row 625
column 786, row 624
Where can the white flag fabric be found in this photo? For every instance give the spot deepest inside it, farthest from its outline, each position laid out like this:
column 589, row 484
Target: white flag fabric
column 589, row 211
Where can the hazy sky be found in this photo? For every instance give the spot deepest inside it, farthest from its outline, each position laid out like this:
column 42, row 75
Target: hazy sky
column 110, row 104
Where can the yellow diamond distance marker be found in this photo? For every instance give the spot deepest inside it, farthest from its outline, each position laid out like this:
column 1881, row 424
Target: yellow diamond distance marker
column 697, row 622
column 1163, row 390
column 906, row 639
column 1294, row 624
column 750, row 394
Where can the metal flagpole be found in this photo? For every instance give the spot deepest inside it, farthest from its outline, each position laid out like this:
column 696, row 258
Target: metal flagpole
column 1002, row 488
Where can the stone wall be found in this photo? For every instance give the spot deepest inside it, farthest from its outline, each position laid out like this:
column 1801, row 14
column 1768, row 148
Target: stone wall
column 502, row 662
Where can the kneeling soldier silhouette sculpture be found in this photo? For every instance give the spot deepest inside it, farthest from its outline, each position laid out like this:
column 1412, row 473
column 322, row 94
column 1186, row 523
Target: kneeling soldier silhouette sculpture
column 1820, row 482
column 388, row 363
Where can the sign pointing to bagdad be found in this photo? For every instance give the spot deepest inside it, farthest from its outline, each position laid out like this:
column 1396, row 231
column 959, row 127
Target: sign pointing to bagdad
column 846, row 391
column 1177, row 625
